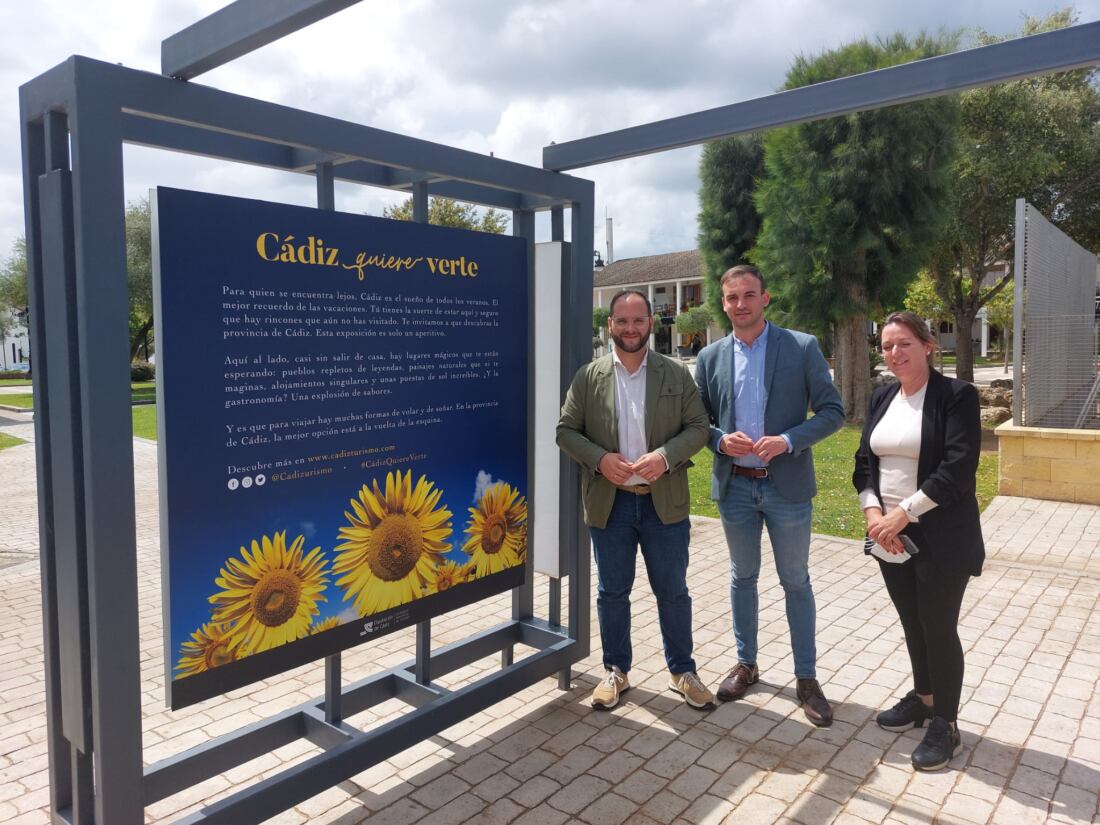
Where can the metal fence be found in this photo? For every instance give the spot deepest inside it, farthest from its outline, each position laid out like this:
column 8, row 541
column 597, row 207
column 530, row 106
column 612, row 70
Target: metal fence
column 1057, row 349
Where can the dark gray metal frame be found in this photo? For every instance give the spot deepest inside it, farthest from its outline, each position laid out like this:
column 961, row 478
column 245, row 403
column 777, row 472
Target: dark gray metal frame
column 78, row 303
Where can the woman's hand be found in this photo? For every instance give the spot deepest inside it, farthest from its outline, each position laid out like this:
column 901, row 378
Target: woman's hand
column 880, row 528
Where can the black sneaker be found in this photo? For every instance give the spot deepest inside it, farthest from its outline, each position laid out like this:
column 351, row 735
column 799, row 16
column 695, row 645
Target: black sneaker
column 940, row 743
column 910, row 712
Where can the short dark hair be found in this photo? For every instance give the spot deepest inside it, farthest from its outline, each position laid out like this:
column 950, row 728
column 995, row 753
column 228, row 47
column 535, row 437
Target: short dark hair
column 623, row 293
column 739, row 271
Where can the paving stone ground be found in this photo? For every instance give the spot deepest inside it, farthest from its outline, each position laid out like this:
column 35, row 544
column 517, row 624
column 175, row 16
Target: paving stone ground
column 1030, row 715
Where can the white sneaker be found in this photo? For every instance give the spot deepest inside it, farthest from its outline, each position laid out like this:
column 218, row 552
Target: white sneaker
column 606, row 695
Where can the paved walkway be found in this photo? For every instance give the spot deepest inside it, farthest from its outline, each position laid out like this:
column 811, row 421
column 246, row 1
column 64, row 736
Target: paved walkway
column 1030, row 716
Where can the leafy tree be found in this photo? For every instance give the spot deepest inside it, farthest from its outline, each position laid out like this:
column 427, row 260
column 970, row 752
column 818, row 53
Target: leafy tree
column 922, row 298
column 852, row 205
column 1037, row 139
column 139, row 275
column 599, row 319
column 729, row 172
column 13, row 287
column 447, row 212
column 694, row 321
column 1000, row 311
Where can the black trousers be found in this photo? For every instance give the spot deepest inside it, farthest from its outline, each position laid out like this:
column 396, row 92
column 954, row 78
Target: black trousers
column 928, row 600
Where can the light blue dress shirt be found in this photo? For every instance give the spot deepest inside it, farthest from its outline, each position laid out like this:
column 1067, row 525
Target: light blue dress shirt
column 750, row 393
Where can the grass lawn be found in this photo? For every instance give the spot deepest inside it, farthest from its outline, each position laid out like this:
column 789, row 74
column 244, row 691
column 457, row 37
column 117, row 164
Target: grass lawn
column 836, row 510
column 14, row 382
column 9, row 441
column 144, row 391
column 145, row 421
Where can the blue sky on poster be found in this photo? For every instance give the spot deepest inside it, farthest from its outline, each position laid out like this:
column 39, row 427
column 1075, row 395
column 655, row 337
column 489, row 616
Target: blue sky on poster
column 484, row 76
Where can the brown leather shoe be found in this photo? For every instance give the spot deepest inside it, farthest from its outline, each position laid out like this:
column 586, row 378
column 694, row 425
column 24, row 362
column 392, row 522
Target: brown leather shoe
column 814, row 704
column 735, row 685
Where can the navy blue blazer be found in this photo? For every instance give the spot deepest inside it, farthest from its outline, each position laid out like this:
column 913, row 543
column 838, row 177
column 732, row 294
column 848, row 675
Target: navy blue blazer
column 796, row 379
column 947, row 467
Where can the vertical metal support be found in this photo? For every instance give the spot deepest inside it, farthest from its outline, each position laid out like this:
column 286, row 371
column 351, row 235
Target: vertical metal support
column 102, row 314
column 557, row 234
column 523, row 226
column 1019, row 313
column 326, row 199
column 557, row 223
column 424, row 628
column 420, row 201
column 424, row 652
column 577, row 350
column 60, row 752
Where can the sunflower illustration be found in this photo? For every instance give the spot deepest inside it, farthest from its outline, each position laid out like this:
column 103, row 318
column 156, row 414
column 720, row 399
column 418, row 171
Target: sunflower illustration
column 207, row 649
column 270, row 594
column 447, row 575
column 324, row 624
column 392, row 544
column 497, row 530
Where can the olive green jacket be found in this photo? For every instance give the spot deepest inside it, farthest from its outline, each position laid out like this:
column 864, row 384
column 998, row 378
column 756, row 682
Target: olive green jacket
column 676, row 426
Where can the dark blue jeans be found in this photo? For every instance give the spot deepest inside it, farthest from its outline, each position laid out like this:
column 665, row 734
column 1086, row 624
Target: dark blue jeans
column 633, row 522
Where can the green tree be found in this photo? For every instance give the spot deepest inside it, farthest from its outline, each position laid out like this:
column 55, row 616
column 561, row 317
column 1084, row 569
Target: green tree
column 729, row 172
column 923, row 299
column 13, row 287
column 599, row 319
column 139, row 275
column 447, row 212
column 1000, row 311
column 694, row 321
column 1037, row 139
column 852, row 205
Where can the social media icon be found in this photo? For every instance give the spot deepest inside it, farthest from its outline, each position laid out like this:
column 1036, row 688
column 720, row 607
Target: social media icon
column 234, row 484
column 260, row 480
column 246, row 482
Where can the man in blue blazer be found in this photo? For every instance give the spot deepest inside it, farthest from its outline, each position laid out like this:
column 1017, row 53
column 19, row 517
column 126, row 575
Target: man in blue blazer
column 757, row 385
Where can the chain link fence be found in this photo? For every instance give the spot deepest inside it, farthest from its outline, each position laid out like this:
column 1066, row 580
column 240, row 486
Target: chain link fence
column 1057, row 346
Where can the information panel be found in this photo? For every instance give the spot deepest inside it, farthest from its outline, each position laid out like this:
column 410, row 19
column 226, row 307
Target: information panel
column 342, row 418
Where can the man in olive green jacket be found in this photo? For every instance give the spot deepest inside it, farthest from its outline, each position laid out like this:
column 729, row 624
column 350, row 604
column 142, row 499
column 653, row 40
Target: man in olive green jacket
column 633, row 419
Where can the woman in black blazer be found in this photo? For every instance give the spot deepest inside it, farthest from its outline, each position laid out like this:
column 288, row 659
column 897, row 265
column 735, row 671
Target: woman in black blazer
column 915, row 472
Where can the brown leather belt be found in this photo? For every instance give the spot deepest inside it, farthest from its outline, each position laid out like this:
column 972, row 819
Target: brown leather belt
column 750, row 472
column 636, row 489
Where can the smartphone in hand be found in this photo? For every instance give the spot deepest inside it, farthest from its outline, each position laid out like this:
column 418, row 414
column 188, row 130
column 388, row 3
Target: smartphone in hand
column 875, row 549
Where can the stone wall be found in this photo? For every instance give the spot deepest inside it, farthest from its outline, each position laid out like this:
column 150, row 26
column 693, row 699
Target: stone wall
column 1051, row 464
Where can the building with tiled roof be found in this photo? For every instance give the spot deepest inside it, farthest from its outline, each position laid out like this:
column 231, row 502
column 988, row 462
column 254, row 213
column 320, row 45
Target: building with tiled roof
column 673, row 281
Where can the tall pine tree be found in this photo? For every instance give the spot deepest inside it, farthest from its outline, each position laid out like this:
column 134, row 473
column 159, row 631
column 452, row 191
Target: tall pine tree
column 853, row 204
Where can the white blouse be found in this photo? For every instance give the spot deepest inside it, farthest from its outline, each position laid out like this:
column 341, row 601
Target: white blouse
column 896, row 442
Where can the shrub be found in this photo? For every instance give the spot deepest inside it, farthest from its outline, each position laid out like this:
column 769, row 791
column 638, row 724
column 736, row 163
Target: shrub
column 142, row 371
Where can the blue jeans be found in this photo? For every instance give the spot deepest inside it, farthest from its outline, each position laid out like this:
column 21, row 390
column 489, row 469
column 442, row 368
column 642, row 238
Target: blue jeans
column 750, row 503
column 634, row 521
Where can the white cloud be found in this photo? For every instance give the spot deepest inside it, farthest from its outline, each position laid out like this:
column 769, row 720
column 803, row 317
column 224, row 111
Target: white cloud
column 481, row 76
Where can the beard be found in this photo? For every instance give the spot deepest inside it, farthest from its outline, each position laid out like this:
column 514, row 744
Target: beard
column 635, row 346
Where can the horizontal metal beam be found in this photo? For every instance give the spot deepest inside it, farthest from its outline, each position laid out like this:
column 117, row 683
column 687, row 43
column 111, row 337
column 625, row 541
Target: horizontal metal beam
column 238, row 29
column 190, row 104
column 1075, row 47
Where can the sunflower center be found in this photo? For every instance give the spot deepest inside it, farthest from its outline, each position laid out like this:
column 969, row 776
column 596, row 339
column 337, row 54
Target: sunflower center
column 492, row 537
column 396, row 545
column 218, row 654
column 275, row 597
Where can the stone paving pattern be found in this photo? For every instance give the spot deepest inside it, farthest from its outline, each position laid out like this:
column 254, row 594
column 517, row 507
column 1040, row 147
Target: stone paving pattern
column 1030, row 715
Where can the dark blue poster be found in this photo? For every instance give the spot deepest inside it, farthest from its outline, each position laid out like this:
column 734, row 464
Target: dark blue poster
column 343, row 430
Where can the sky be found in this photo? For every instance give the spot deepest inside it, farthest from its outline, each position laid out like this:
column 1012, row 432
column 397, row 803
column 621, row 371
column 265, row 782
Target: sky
column 506, row 78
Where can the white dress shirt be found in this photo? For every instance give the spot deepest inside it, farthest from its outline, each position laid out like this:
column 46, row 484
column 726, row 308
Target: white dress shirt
column 896, row 442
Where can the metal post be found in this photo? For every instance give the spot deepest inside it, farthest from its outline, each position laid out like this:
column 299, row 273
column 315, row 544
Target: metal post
column 102, row 310
column 35, row 164
column 326, row 199
column 424, row 628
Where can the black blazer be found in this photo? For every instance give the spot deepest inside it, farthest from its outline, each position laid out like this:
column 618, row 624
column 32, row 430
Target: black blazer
column 950, row 445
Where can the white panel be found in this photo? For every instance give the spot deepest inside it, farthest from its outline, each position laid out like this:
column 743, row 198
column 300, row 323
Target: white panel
column 547, row 297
